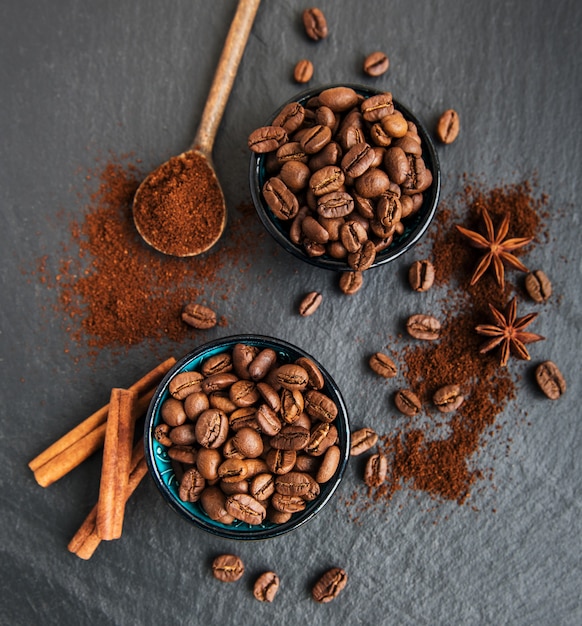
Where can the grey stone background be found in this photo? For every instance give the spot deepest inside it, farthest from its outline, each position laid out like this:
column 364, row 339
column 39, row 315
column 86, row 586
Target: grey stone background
column 81, row 79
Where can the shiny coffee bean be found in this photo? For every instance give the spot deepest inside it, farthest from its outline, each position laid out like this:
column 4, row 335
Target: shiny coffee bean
column 375, row 470
column 376, row 64
column 213, row 502
column 339, row 99
column 211, row 428
column 267, row 139
column 382, row 365
column 191, row 485
column 320, row 406
column 314, row 375
column 184, row 384
column 290, row 118
column 280, row 199
column 448, row 398
column 199, row 316
column 538, row 286
column 550, row 380
column 329, row 464
column 329, row 585
column 290, row 437
column 292, row 376
column 173, row 412
column 315, row 24
column 424, row 327
column 228, row 568
column 448, row 126
column 245, row 508
column 303, row 71
column 310, row 303
column 281, row 461
column 421, row 275
column 407, row 402
column 362, row 440
column 351, row 282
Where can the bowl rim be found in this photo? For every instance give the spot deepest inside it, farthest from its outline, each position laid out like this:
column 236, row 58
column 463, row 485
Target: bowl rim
column 192, row 511
column 396, row 249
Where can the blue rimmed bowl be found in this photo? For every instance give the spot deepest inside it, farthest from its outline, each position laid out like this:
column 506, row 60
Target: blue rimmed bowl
column 161, row 469
column 415, row 226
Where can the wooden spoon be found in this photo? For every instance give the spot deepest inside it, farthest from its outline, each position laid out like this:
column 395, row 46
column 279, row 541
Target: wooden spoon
column 179, row 208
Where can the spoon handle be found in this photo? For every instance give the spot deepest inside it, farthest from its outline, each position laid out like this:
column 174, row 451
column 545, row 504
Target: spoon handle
column 224, row 76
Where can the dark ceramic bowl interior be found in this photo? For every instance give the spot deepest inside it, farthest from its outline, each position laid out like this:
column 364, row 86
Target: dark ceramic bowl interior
column 160, row 467
column 415, row 226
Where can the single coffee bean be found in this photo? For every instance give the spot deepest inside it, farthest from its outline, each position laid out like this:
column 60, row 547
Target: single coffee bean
column 351, row 282
column 281, row 461
column 281, row 200
column 538, row 286
column 364, row 258
column 290, row 437
column 242, row 357
column 278, row 517
column 262, row 363
column 376, row 107
column 211, row 428
column 314, row 375
column 248, row 442
column 550, row 380
column 330, row 585
column 293, row 484
column 316, row 438
column 448, row 126
column 362, row 440
column 199, row 316
column 421, row 275
column 382, row 365
column 315, row 24
column 183, row 435
column 245, row 508
column 244, row 393
column 292, row 405
column 320, row 406
column 213, row 500
column 243, row 417
column 375, row 470
column 183, row 454
column 339, row 99
column 329, row 464
column 191, row 485
column 208, row 461
column 173, row 413
column 217, row 364
column 262, row 486
column 266, row 587
column 326, row 180
column 372, row 183
column 287, row 503
column 292, row 376
column 290, row 118
column 407, row 402
column 291, row 152
column 310, row 303
column 267, row 139
column 232, row 470
column 218, row 382
column 295, row 175
column 185, row 383
column 448, row 398
column 424, row 327
column 331, row 154
column 358, row 159
column 161, row 435
column 397, row 164
column 269, row 395
column 228, row 568
column 395, row 124
column 376, row 64
column 229, row 489
column 303, row 71
column 335, row 204
column 315, row 138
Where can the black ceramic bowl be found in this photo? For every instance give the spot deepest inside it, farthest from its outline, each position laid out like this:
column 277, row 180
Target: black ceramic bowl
column 415, row 226
column 160, row 466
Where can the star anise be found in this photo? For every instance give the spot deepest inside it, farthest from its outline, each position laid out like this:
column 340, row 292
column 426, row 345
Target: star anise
column 509, row 332
column 499, row 249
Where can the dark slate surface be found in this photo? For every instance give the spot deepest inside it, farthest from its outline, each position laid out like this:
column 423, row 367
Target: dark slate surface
column 79, row 80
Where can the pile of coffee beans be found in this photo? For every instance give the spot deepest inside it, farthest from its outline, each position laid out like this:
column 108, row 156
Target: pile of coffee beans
column 252, row 439
column 344, row 171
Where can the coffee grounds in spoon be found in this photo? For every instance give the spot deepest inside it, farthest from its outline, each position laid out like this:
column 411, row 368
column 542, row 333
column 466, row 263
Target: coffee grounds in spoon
column 179, row 208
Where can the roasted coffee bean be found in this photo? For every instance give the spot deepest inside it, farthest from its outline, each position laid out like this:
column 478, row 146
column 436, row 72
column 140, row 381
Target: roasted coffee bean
column 217, row 364
column 335, row 204
column 244, row 393
column 281, row 461
column 376, row 64
column 362, row 440
column 382, row 365
column 329, row 585
column 218, row 382
column 269, row 395
column 287, row 503
column 316, row 438
column 550, row 380
column 184, row 384
column 424, row 327
column 339, row 99
column 248, row 442
column 407, row 402
column 364, row 258
column 538, row 286
column 375, row 470
column 183, row 435
column 315, row 138
column 397, row 164
column 353, row 235
column 295, row 175
column 262, row 486
column 281, row 200
column 290, row 437
column 213, row 502
column 228, row 568
column 262, row 363
column 245, row 508
column 303, row 71
column 293, row 484
column 291, row 152
column 211, row 428
column 173, row 413
column 290, row 118
column 448, row 126
column 266, row 587
column 232, row 470
column 191, row 485
column 448, row 398
column 310, row 303
column 161, row 435
column 243, row 417
column 315, row 24
column 242, row 356
column 278, row 517
column 199, row 316
column 395, row 124
column 351, row 282
column 329, row 464
column 421, row 275
column 292, row 376
column 314, row 376
column 208, row 461
column 372, row 183
column 331, row 154
column 326, row 180
column 183, row 454
column 358, row 159
column 267, row 139
column 320, row 406
column 292, row 405
column 229, row 451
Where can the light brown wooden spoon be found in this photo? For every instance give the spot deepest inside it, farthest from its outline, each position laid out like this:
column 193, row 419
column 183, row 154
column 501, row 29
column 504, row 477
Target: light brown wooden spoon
column 179, row 208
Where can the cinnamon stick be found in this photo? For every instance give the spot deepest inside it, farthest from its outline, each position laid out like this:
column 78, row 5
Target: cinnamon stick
column 116, row 463
column 144, row 385
column 86, row 540
column 71, row 457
